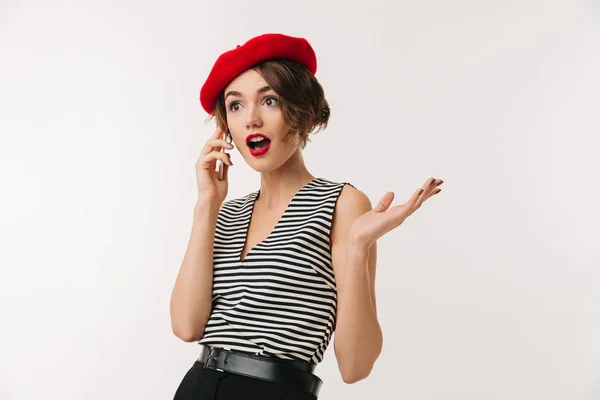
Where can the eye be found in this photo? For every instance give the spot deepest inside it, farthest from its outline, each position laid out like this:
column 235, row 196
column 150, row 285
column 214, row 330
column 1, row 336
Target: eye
column 234, row 106
column 272, row 101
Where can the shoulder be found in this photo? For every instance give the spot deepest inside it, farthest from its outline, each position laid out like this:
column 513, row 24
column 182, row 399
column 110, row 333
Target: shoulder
column 238, row 203
column 352, row 201
column 349, row 196
column 351, row 204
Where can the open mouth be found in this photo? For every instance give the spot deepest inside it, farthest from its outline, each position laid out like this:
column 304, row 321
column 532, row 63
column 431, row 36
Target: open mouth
column 258, row 143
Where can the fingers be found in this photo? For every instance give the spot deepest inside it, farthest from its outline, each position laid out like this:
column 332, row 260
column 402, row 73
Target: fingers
column 225, row 171
column 215, row 144
column 214, row 150
column 218, row 133
column 216, row 155
column 433, row 187
column 412, row 202
column 429, row 183
column 385, row 202
column 430, row 188
column 210, row 158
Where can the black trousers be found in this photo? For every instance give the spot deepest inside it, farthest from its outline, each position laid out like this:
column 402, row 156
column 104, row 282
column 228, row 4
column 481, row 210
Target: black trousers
column 207, row 384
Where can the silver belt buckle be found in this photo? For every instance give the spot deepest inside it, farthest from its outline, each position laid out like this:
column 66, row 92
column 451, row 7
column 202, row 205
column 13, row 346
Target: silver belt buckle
column 210, row 360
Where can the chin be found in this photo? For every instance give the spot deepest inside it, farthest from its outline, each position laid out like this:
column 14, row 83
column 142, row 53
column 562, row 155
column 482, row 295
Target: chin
column 260, row 166
column 264, row 164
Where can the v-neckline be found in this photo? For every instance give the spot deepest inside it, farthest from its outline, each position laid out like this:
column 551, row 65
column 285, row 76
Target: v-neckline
column 253, row 198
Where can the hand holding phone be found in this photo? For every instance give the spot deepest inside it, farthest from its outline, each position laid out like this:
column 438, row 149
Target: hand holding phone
column 210, row 187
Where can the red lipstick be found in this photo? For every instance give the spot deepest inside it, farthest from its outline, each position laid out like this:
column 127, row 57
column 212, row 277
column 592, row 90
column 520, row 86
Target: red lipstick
column 261, row 147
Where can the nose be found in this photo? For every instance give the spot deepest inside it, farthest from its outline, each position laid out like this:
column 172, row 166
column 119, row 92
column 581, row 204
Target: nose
column 253, row 118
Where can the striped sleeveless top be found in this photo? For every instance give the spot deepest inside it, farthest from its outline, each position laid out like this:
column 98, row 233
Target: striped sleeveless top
column 281, row 299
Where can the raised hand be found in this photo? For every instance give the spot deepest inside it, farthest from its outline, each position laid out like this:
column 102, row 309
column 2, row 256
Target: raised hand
column 375, row 223
column 210, row 187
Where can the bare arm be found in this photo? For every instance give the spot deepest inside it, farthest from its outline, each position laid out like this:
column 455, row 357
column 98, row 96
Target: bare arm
column 358, row 339
column 191, row 299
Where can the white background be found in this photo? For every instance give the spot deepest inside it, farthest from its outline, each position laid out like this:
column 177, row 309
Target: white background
column 490, row 291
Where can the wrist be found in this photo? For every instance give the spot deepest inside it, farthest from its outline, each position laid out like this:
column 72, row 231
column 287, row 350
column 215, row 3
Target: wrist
column 355, row 248
column 206, row 207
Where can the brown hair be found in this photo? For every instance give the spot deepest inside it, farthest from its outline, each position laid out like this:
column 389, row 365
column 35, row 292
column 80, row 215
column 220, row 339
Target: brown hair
column 302, row 98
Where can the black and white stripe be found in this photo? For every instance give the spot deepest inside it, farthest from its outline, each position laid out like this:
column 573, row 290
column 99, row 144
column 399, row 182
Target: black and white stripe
column 280, row 301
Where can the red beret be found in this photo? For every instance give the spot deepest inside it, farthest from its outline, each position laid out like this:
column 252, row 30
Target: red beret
column 264, row 47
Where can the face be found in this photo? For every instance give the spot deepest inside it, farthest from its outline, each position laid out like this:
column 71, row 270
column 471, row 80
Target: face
column 254, row 112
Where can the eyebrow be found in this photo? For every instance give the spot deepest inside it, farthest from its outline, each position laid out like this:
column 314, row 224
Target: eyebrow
column 236, row 93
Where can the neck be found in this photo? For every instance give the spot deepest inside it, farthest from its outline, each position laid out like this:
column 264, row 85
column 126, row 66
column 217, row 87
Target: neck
column 279, row 186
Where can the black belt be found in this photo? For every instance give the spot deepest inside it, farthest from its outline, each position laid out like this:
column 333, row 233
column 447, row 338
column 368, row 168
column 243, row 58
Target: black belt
column 296, row 374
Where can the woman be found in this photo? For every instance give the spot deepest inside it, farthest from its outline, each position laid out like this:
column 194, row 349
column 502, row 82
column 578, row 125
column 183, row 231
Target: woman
column 267, row 278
